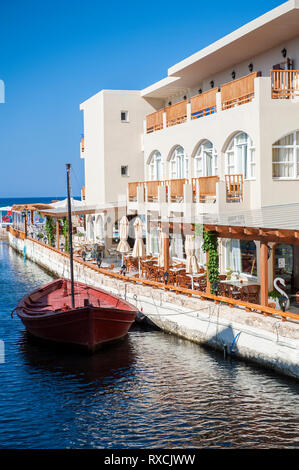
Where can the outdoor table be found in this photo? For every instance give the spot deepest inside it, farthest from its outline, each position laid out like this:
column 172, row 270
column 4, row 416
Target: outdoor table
column 238, row 284
column 195, row 275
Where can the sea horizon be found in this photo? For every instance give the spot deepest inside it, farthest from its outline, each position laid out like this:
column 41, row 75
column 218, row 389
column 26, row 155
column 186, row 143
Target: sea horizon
column 9, row 201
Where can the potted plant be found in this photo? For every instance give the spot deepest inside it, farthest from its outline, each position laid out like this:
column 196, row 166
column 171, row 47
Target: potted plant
column 228, row 274
column 273, row 297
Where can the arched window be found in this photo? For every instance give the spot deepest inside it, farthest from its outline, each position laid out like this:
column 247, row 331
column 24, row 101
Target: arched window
column 285, row 157
column 179, row 164
column 205, row 161
column 240, row 156
column 156, row 167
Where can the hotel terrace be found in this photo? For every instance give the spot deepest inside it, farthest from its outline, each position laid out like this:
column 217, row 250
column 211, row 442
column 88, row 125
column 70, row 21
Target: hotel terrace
column 216, row 144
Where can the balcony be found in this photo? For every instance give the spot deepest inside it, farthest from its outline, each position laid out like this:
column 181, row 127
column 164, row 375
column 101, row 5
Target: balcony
column 203, row 104
column 82, row 148
column 176, row 113
column 238, row 92
column 231, row 94
column 202, row 190
column 285, row 84
column 154, row 121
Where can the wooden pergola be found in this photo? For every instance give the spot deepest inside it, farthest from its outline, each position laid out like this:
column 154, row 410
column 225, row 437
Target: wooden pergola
column 33, row 207
column 264, row 235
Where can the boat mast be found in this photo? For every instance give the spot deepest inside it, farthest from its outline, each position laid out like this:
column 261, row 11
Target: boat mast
column 68, row 169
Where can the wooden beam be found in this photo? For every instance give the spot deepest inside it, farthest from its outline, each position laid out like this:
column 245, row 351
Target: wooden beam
column 264, row 273
column 236, row 230
column 57, row 234
column 165, row 239
column 251, row 231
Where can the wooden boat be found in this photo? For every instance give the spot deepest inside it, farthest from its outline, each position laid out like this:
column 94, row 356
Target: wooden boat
column 71, row 312
column 99, row 317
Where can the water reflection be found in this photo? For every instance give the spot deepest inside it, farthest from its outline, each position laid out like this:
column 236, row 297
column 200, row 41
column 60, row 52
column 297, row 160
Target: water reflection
column 151, row 390
column 61, row 363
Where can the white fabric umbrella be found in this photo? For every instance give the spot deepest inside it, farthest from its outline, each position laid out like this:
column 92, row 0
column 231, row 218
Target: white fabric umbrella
column 191, row 261
column 161, row 261
column 63, row 204
column 123, row 246
column 138, row 249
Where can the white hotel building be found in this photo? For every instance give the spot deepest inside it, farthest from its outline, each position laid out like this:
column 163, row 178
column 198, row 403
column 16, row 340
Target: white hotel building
column 218, row 136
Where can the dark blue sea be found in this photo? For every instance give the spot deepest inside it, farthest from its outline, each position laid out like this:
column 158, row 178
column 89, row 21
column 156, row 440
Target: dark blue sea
column 30, row 200
column 152, row 390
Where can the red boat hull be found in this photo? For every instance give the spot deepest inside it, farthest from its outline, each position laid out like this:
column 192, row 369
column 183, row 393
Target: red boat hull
column 87, row 326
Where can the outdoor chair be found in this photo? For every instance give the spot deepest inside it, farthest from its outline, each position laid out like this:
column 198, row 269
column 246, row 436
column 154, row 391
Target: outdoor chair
column 184, row 281
column 250, row 294
column 234, row 292
column 202, row 284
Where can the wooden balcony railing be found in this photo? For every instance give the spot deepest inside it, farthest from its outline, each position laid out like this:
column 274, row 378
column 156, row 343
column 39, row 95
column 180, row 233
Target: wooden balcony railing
column 203, row 188
column 175, row 189
column 285, row 84
column 154, row 121
column 152, row 190
column 203, row 104
column 82, row 145
column 176, row 113
column 207, row 188
column 132, row 191
column 238, row 91
column 234, row 188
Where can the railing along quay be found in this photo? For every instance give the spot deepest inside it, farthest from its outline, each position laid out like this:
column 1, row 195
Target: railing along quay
column 267, row 311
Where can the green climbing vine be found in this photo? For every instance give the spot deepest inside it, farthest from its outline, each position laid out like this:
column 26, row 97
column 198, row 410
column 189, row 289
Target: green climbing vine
column 66, row 234
column 50, row 230
column 210, row 245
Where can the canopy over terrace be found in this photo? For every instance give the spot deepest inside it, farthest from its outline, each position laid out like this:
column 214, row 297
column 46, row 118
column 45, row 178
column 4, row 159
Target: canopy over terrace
column 276, row 224
column 60, row 211
column 31, row 207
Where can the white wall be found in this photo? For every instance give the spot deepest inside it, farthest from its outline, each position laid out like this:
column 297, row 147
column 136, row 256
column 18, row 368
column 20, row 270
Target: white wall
column 264, row 119
column 111, row 143
column 261, row 63
column 94, row 165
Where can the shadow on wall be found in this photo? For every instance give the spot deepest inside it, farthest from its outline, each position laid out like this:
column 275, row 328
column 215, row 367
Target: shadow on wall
column 227, row 338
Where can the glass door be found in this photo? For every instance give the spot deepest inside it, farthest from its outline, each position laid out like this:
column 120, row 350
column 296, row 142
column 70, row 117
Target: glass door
column 284, row 264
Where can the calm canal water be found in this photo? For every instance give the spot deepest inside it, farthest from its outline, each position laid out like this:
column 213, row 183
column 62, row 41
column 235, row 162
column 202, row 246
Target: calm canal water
column 151, row 390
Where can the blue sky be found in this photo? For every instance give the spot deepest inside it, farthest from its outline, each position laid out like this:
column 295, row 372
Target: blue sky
column 55, row 54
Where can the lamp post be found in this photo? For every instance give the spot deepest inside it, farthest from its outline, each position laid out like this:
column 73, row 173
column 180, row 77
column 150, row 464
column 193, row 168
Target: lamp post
column 283, row 301
column 215, row 287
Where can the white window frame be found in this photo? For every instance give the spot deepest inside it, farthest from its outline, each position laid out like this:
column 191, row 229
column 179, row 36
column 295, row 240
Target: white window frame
column 126, row 114
column 179, row 164
column 294, row 161
column 228, row 254
column 200, row 160
column 156, row 159
column 248, row 163
column 127, row 173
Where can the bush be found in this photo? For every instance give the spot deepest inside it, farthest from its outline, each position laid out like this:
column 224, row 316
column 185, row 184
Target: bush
column 274, row 294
